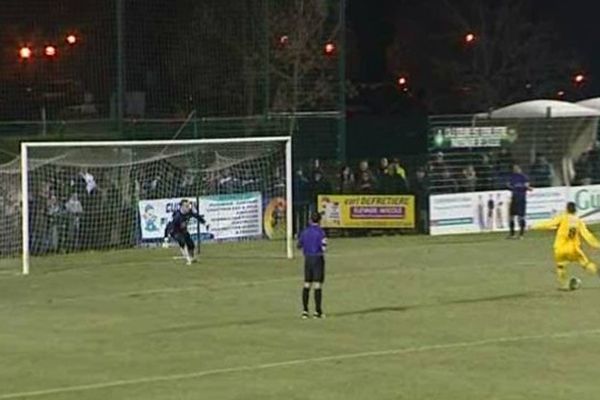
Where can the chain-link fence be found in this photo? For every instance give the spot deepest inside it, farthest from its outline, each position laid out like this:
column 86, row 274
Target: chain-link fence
column 478, row 152
column 167, row 59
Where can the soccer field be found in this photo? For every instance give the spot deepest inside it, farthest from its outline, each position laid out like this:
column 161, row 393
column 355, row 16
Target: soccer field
column 473, row 317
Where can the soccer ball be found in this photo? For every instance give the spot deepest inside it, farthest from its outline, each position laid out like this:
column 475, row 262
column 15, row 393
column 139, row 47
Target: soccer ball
column 574, row 283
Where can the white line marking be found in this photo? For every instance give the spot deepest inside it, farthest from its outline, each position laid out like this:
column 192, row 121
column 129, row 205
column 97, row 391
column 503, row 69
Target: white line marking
column 291, row 363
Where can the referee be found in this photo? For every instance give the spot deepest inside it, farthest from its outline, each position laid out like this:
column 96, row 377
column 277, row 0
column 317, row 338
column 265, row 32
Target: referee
column 518, row 184
column 313, row 243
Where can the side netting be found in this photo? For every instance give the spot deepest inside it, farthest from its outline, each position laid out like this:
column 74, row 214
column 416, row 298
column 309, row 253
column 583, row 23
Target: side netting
column 113, row 195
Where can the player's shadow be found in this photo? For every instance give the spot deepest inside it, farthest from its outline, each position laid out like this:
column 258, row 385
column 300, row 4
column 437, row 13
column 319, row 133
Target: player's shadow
column 487, row 299
column 223, row 324
column 366, row 311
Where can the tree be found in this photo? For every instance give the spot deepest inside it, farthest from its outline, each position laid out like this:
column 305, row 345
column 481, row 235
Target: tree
column 229, row 58
column 515, row 56
column 304, row 65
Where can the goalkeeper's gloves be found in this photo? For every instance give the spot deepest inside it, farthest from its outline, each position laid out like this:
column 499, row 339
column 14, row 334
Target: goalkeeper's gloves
column 201, row 219
column 165, row 244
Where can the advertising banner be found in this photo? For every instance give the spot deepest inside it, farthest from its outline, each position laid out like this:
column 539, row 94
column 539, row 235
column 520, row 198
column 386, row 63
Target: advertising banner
column 366, row 211
column 488, row 211
column 227, row 216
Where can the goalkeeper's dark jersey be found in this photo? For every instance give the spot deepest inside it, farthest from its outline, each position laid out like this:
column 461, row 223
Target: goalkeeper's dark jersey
column 180, row 221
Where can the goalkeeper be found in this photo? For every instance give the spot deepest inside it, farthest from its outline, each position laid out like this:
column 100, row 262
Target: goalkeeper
column 567, row 245
column 177, row 229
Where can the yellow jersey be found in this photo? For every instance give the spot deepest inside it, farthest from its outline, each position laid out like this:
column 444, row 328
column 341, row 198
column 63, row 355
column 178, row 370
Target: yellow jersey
column 570, row 229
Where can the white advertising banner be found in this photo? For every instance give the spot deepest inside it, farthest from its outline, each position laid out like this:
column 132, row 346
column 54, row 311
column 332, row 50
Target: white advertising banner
column 233, row 216
column 489, row 211
column 587, row 199
column 227, row 216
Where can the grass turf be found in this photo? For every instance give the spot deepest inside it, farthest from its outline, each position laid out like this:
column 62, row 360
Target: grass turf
column 408, row 318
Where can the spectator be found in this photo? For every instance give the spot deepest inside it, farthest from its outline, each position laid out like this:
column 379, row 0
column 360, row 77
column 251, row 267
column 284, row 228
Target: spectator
column 316, row 166
column 228, row 182
column 365, row 183
column 53, row 212
column 318, row 186
column 384, row 177
column 485, row 174
column 154, row 187
column 74, row 210
column 186, row 187
column 347, row 181
column 399, row 182
column 438, row 164
column 301, row 200
column 469, row 179
column 504, row 165
column 583, row 170
column 595, row 161
column 90, row 182
column 446, row 183
column 541, row 172
column 363, row 166
column 421, row 190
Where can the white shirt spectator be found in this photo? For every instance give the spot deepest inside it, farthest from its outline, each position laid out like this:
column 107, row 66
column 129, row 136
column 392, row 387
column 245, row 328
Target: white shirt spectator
column 90, row 182
column 73, row 206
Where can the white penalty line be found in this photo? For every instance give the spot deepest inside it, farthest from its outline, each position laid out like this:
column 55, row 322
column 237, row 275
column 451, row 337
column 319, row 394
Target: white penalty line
column 291, row 363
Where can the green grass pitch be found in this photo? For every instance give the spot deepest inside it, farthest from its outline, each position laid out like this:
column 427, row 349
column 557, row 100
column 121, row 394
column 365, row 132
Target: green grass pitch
column 473, row 317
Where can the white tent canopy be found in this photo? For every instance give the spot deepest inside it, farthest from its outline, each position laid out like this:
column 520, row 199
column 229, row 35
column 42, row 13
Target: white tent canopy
column 590, row 103
column 544, row 109
column 561, row 130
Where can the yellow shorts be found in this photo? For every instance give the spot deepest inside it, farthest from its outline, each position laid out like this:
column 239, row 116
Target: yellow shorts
column 562, row 257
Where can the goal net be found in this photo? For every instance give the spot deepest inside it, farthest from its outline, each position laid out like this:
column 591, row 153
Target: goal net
column 85, row 196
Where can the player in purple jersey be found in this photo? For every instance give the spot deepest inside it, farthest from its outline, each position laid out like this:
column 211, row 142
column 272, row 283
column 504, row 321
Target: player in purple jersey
column 518, row 184
column 313, row 243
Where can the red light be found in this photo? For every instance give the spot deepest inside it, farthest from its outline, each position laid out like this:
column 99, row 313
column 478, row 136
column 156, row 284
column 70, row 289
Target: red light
column 561, row 93
column 71, row 39
column 25, row 53
column 402, row 81
column 470, row 37
column 329, row 48
column 579, row 78
column 284, row 40
column 50, row 51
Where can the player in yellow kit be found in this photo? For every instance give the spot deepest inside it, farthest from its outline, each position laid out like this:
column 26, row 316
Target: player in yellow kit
column 567, row 245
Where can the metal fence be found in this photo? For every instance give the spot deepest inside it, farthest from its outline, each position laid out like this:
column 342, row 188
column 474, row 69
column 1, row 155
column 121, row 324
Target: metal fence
column 469, row 153
column 107, row 66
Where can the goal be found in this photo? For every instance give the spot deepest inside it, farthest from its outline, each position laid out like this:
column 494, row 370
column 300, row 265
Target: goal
column 85, row 196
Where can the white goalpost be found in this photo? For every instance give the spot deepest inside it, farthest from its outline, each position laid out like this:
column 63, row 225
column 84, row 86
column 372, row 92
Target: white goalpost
column 103, row 195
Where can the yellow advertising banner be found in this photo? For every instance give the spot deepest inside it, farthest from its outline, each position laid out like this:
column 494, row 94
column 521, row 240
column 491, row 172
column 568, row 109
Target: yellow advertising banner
column 367, row 211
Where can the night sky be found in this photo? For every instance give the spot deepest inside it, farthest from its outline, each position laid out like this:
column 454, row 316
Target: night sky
column 373, row 23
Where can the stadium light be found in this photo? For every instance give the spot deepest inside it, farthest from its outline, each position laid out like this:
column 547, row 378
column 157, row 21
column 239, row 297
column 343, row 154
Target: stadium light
column 284, row 40
column 71, row 39
column 470, row 38
column 402, row 81
column 579, row 79
column 329, row 48
column 50, row 51
column 25, row 53
column 560, row 93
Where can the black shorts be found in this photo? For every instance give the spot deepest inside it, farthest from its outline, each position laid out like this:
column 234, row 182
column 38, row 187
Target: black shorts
column 518, row 208
column 314, row 269
column 183, row 239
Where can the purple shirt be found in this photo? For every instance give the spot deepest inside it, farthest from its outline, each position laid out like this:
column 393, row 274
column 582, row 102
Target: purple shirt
column 312, row 241
column 518, row 185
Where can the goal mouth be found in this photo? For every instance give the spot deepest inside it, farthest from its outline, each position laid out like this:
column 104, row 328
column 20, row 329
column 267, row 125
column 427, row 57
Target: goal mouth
column 84, row 196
